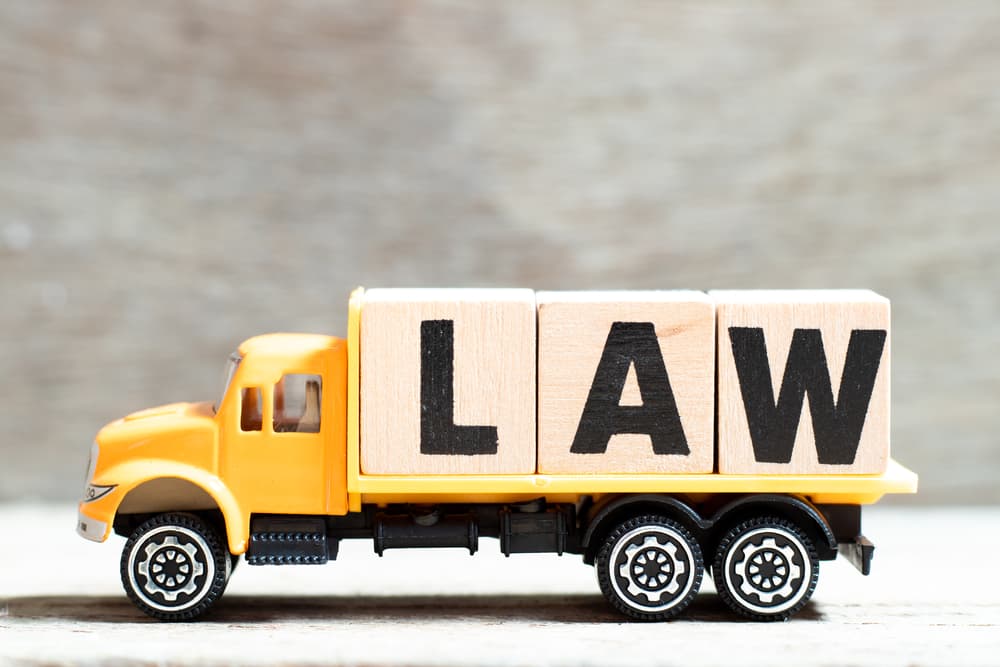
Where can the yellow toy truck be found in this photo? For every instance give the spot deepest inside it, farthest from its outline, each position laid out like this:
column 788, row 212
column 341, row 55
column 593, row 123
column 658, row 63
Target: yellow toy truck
column 654, row 433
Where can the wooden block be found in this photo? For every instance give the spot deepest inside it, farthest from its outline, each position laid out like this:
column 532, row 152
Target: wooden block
column 448, row 381
column 803, row 383
column 626, row 382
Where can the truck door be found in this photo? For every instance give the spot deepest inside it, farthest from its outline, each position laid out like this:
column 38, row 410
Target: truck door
column 275, row 461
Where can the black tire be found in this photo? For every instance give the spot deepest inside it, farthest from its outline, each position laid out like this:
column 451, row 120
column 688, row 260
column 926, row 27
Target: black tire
column 766, row 569
column 650, row 568
column 174, row 567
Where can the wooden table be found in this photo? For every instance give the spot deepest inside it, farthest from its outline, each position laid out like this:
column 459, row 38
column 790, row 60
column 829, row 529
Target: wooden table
column 933, row 598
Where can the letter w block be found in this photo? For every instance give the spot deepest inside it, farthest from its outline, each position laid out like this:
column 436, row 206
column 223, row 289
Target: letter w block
column 803, row 381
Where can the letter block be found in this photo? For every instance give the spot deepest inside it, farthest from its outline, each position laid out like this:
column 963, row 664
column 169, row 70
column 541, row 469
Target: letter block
column 803, row 382
column 448, row 381
column 626, row 382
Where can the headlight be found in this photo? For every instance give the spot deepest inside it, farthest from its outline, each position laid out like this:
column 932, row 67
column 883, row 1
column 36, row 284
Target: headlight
column 93, row 492
column 92, row 462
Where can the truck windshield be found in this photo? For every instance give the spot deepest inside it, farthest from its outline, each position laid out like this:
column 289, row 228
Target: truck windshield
column 231, row 365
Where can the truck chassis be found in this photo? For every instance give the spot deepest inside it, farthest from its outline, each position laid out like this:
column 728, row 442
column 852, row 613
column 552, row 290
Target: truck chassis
column 650, row 550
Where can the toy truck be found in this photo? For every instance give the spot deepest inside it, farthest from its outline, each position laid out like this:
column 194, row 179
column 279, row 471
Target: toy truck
column 655, row 434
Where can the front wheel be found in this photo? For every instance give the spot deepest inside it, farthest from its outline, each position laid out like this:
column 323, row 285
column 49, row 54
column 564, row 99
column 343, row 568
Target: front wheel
column 174, row 567
column 650, row 568
column 766, row 569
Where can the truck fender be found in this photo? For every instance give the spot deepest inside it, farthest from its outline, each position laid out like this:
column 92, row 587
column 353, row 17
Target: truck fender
column 605, row 516
column 134, row 474
column 798, row 510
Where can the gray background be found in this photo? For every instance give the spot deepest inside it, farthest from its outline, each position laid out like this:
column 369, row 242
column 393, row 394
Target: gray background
column 175, row 177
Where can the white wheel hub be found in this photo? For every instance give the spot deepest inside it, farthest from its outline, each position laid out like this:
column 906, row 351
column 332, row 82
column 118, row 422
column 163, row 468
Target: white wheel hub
column 651, row 568
column 768, row 570
column 171, row 568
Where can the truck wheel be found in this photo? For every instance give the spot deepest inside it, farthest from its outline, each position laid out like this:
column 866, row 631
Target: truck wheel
column 650, row 568
column 174, row 567
column 766, row 569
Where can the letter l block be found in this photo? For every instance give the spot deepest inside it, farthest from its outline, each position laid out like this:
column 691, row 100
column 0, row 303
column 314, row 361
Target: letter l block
column 448, row 381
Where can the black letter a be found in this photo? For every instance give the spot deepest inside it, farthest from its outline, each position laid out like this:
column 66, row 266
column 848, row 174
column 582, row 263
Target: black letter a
column 630, row 343
column 438, row 432
column 837, row 427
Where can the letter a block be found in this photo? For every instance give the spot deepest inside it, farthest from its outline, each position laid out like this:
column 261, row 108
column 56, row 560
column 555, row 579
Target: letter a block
column 626, row 382
column 448, row 381
column 803, row 382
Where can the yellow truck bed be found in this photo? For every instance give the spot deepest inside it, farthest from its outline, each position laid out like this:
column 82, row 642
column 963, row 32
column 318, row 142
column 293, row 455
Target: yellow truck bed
column 382, row 489
column 834, row 489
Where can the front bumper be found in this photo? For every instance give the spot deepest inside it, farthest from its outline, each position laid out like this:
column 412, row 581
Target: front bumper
column 89, row 527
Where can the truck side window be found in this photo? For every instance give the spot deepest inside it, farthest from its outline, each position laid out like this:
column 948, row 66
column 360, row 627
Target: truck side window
column 251, row 409
column 296, row 403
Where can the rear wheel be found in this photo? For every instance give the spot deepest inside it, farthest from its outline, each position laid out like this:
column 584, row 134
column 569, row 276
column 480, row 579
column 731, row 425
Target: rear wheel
column 174, row 567
column 650, row 568
column 766, row 569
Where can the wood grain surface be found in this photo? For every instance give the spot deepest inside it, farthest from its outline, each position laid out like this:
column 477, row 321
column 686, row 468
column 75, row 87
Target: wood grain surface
column 933, row 598
column 176, row 177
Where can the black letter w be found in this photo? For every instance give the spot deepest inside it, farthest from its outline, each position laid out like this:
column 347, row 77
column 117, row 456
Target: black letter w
column 837, row 427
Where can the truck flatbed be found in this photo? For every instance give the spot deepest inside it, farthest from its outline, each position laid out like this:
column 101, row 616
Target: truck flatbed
column 833, row 489
column 384, row 489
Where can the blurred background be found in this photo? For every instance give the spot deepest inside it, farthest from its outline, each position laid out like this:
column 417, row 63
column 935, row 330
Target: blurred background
column 175, row 177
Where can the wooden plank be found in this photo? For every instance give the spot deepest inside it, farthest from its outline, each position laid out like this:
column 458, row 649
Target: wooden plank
column 63, row 604
column 448, row 381
column 625, row 382
column 803, row 381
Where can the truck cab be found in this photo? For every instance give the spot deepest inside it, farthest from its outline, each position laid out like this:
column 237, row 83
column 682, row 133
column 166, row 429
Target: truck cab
column 274, row 443
column 281, row 422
